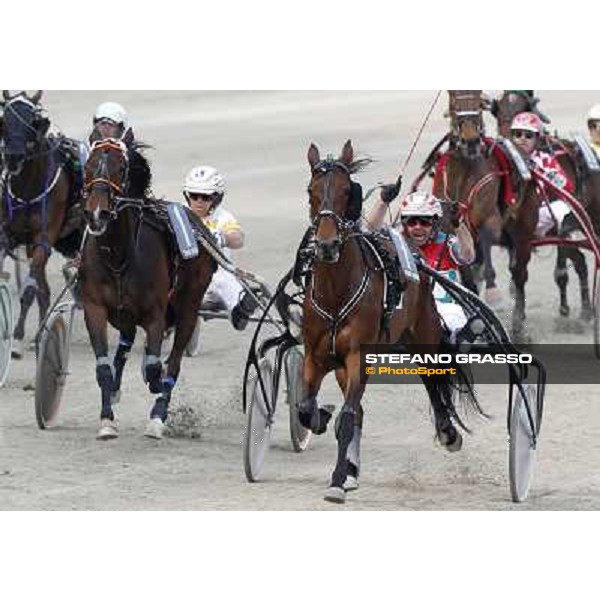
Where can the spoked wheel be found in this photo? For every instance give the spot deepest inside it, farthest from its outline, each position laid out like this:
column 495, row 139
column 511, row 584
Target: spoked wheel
column 260, row 423
column 6, row 330
column 521, row 452
column 597, row 316
column 294, row 367
column 193, row 347
column 52, row 365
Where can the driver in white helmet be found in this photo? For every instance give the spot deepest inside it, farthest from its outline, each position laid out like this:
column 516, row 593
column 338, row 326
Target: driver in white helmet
column 111, row 121
column 204, row 189
column 593, row 123
column 420, row 216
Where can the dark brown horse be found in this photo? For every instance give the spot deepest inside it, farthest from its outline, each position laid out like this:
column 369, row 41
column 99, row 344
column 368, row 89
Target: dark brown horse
column 37, row 191
column 131, row 277
column 344, row 309
column 572, row 159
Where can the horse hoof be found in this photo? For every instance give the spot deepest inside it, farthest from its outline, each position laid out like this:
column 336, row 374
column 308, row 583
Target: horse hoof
column 451, row 439
column 587, row 314
column 115, row 397
column 351, row 483
column 493, row 297
column 335, row 494
column 154, row 429
column 108, row 430
column 564, row 311
column 18, row 349
column 456, row 445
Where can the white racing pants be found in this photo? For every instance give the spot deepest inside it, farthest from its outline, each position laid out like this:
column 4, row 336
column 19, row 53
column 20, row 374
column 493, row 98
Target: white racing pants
column 453, row 315
column 560, row 209
column 224, row 289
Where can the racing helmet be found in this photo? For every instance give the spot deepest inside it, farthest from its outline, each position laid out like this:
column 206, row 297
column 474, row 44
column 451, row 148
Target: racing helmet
column 527, row 121
column 111, row 111
column 421, row 204
column 205, row 180
column 594, row 113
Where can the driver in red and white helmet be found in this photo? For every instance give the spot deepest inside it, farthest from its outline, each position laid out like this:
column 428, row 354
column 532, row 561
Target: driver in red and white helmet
column 421, row 215
column 526, row 132
column 204, row 190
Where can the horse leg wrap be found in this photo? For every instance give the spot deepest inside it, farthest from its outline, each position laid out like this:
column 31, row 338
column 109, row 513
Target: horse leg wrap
column 153, row 373
column 344, row 433
column 105, row 376
column 30, row 288
column 353, row 454
column 160, row 409
column 119, row 361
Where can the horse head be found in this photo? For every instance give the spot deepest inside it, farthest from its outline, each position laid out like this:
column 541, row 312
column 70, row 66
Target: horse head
column 23, row 129
column 509, row 105
column 105, row 180
column 330, row 192
column 466, row 121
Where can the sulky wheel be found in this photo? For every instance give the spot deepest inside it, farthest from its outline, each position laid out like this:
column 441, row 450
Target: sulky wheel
column 521, row 452
column 260, row 423
column 52, row 368
column 294, row 367
column 6, row 330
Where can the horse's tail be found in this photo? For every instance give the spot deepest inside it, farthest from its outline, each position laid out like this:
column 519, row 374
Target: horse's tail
column 458, row 391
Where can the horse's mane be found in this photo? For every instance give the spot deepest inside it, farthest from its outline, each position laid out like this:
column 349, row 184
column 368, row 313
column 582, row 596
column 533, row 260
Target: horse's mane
column 140, row 175
column 359, row 165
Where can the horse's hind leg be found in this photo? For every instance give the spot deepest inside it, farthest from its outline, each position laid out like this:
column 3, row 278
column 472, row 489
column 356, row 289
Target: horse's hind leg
column 561, row 277
column 96, row 321
column 32, row 286
column 126, row 341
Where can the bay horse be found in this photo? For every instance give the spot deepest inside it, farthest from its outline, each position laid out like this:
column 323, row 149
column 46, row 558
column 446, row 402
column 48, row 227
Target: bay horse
column 469, row 177
column 344, row 309
column 130, row 277
column 587, row 183
column 38, row 189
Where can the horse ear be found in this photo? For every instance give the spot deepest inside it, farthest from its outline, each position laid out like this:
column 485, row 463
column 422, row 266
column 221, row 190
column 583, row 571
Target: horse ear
column 348, row 153
column 37, row 96
column 127, row 137
column 313, row 156
column 6, row 95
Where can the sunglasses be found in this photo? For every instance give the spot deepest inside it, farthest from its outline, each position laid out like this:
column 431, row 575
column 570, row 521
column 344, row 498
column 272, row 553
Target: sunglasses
column 422, row 221
column 200, row 197
column 528, row 135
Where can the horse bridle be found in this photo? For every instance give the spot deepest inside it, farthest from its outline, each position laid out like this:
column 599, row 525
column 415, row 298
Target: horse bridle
column 101, row 176
column 343, row 225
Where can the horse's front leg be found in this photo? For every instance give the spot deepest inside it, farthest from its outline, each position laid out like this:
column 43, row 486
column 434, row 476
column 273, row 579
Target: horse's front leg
column 152, row 369
column 309, row 414
column 353, row 457
column 561, row 278
column 519, row 261
column 126, row 341
column 345, row 428
column 35, row 285
column 96, row 318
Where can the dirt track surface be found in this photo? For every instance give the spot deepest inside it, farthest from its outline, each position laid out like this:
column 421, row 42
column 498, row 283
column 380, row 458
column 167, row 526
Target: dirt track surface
column 259, row 141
